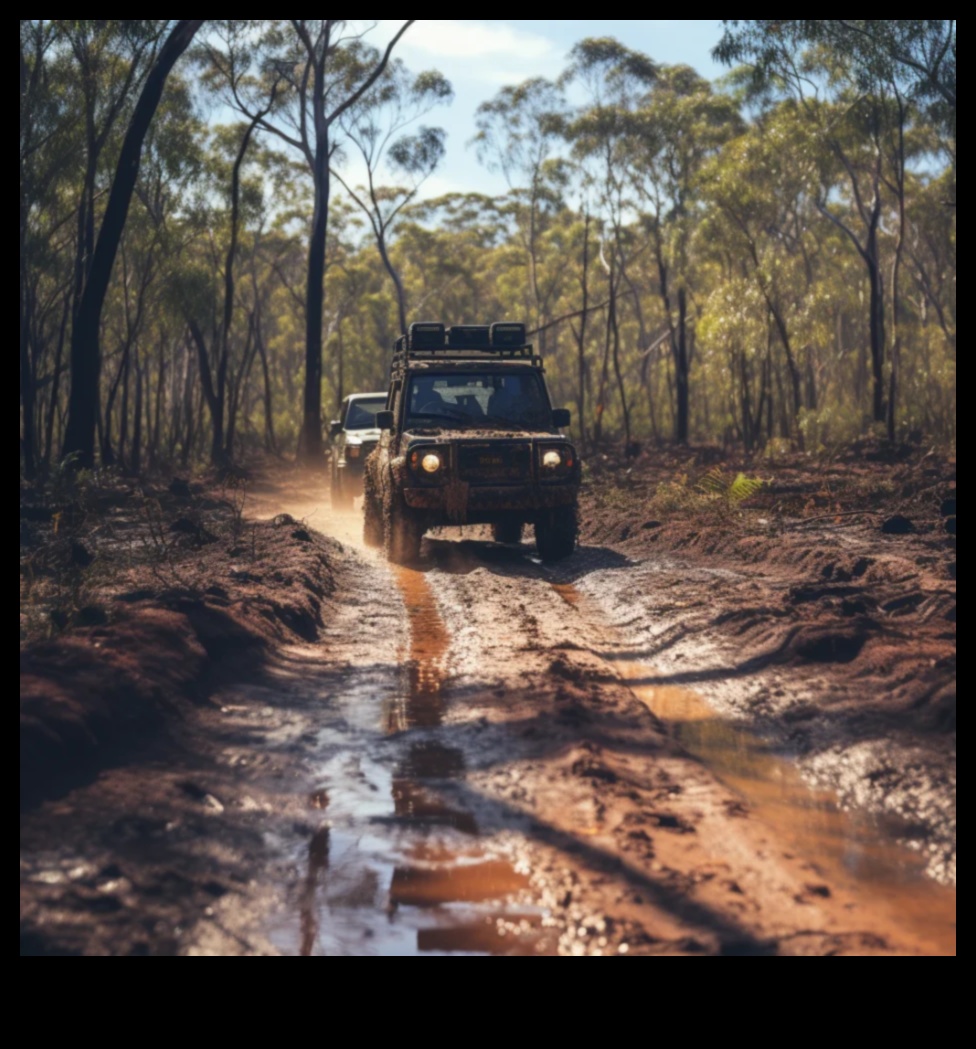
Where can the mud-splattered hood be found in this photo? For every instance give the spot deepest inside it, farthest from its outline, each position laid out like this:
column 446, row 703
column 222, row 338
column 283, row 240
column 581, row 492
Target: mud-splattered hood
column 446, row 434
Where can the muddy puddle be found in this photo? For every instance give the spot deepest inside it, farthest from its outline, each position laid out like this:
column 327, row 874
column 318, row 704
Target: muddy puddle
column 849, row 848
column 395, row 866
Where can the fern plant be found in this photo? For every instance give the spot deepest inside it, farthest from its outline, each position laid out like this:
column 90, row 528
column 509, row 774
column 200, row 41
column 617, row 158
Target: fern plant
column 731, row 490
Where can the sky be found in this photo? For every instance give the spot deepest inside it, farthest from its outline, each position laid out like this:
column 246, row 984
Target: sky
column 480, row 56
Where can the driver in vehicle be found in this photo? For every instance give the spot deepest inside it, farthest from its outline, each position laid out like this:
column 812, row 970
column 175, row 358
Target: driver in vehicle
column 478, row 400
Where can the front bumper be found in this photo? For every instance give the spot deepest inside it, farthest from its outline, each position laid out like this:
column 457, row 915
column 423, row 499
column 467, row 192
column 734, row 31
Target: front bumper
column 353, row 465
column 483, row 502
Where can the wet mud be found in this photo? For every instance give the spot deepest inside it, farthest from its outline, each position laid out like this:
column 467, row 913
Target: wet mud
column 851, row 847
column 477, row 756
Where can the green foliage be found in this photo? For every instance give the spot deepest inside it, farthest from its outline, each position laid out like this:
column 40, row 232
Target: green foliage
column 920, row 54
column 731, row 490
column 630, row 181
column 716, row 495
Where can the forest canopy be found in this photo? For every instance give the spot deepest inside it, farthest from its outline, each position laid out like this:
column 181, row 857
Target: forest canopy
column 766, row 260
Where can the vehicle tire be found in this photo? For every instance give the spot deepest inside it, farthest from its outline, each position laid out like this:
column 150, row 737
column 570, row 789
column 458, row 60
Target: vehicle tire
column 341, row 498
column 555, row 533
column 507, row 531
column 372, row 516
column 402, row 534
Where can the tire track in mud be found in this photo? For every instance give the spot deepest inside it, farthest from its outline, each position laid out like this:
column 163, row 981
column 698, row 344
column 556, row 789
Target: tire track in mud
column 538, row 806
column 817, row 842
column 724, row 633
column 850, row 847
column 394, row 863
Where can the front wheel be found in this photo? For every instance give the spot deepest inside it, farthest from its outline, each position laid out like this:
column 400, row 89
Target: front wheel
column 402, row 534
column 372, row 516
column 507, row 531
column 555, row 533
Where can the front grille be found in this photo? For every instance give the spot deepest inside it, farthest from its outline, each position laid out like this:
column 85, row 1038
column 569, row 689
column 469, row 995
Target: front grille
column 495, row 463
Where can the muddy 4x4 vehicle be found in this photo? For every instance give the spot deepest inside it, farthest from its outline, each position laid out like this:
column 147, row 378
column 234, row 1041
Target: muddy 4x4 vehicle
column 469, row 436
column 354, row 436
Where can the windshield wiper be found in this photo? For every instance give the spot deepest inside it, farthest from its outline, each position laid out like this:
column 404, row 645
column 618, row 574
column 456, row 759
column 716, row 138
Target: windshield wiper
column 513, row 424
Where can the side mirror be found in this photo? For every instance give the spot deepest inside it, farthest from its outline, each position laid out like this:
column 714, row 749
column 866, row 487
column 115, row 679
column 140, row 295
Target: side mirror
column 560, row 417
column 335, row 428
column 384, row 420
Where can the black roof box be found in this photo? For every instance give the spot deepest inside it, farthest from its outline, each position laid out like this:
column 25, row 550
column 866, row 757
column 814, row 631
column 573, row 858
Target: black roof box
column 506, row 334
column 426, row 336
column 469, row 337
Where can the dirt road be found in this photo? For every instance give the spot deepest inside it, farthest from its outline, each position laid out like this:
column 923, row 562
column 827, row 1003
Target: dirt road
column 482, row 755
column 539, row 805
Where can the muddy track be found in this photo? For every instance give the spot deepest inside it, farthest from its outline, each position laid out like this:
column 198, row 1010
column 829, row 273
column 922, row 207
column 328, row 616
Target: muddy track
column 540, row 806
column 480, row 755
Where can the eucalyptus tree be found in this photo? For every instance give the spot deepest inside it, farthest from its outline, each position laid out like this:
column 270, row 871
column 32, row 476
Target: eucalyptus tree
column 377, row 131
column 759, row 192
column 850, row 124
column 296, row 78
column 170, row 169
column 614, row 79
column 448, row 249
column 680, row 123
column 83, row 401
column 45, row 144
column 521, row 134
column 919, row 54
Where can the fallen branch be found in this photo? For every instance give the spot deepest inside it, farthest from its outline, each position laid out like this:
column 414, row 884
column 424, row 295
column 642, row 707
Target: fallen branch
column 831, row 517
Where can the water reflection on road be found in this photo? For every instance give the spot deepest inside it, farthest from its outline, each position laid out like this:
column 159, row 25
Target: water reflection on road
column 394, row 865
column 851, row 848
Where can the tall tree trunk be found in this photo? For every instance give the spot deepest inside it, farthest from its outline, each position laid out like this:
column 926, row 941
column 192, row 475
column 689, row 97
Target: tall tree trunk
column 341, row 381
column 270, row 443
column 601, row 397
column 617, row 372
column 53, row 405
column 85, row 335
column 895, row 274
column 188, row 431
column 768, row 387
column 745, row 401
column 397, row 282
column 876, row 317
column 214, row 395
column 240, row 381
column 124, row 421
column 311, row 441
column 783, row 331
column 108, row 453
column 681, row 371
column 157, row 427
column 135, row 460
column 581, row 336
column 28, row 443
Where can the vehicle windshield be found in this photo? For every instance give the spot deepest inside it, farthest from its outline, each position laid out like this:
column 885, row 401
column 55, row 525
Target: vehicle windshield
column 483, row 400
column 362, row 413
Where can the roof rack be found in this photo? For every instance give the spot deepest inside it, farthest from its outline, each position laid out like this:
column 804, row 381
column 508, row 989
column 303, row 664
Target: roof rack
column 429, row 341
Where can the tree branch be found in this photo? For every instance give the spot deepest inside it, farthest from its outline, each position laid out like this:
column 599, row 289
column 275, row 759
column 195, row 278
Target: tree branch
column 373, row 77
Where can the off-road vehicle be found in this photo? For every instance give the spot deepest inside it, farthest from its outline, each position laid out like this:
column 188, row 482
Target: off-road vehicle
column 469, row 436
column 354, row 435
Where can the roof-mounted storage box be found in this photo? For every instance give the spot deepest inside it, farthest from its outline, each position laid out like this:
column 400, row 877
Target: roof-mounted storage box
column 506, row 334
column 469, row 337
column 426, row 336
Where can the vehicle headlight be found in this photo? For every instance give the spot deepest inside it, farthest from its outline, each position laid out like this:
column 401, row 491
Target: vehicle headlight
column 431, row 462
column 556, row 462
